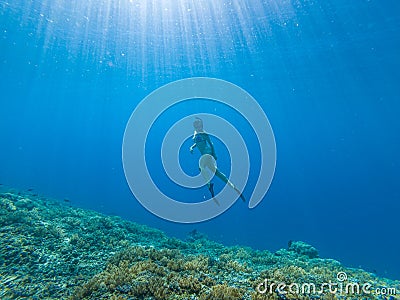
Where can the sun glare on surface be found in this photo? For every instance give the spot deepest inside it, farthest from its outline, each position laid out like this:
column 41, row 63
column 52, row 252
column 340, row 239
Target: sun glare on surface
column 164, row 36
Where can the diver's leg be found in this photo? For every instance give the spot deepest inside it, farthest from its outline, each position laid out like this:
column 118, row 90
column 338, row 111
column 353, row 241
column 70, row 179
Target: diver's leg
column 211, row 165
column 222, row 176
column 206, row 175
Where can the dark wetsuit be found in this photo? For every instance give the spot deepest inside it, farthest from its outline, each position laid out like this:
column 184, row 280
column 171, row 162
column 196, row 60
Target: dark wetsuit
column 203, row 143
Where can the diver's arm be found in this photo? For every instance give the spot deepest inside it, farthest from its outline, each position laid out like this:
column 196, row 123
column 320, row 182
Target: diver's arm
column 192, row 147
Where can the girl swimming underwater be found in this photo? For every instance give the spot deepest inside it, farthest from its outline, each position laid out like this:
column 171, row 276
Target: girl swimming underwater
column 203, row 142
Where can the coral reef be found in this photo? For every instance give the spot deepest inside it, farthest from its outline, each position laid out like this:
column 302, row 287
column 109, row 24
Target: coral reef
column 53, row 251
column 303, row 249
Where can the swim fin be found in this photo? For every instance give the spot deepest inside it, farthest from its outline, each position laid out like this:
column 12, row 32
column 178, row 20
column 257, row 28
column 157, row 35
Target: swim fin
column 240, row 193
column 242, row 197
column 211, row 189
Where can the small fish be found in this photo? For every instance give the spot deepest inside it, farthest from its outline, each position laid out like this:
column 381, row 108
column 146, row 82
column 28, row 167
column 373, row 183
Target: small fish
column 67, row 200
column 30, row 190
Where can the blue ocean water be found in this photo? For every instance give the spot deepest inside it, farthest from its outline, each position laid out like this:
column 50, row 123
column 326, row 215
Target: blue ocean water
column 325, row 72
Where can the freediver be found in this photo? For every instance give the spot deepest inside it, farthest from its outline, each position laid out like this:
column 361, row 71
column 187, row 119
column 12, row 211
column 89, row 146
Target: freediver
column 203, row 142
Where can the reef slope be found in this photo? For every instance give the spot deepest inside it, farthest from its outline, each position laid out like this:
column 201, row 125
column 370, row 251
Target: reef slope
column 49, row 250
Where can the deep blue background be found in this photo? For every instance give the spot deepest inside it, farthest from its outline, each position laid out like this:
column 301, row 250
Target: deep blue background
column 326, row 73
